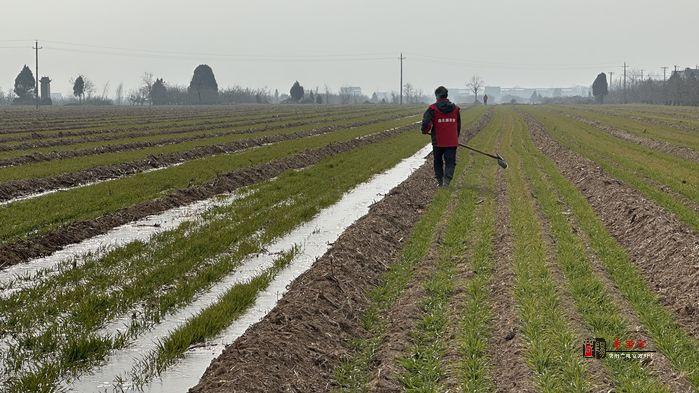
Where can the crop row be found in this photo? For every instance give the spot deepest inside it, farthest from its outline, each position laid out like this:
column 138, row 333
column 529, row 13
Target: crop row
column 570, row 280
column 32, row 179
column 668, row 180
column 200, row 137
column 595, row 265
column 61, row 144
column 94, row 209
column 167, row 272
column 358, row 372
column 19, row 121
column 99, row 127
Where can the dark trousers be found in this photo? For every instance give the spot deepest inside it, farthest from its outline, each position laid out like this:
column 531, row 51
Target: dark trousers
column 444, row 162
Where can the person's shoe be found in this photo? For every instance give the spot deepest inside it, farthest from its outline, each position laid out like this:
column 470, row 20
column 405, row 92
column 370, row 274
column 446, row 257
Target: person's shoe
column 446, row 182
column 440, row 183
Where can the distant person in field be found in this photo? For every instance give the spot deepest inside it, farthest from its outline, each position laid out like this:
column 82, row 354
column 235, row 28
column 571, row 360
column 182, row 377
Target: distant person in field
column 485, row 99
column 442, row 120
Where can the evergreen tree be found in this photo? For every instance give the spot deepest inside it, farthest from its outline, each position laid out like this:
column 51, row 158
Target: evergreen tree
column 296, row 92
column 600, row 87
column 79, row 87
column 204, row 85
column 158, row 93
column 24, row 86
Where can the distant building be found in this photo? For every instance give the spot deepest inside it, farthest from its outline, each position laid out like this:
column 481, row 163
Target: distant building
column 352, row 91
column 381, row 96
column 56, row 97
column 460, row 95
column 494, row 94
column 45, row 91
column 686, row 73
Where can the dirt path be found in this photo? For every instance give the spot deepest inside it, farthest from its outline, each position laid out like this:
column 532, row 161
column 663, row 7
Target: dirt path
column 664, row 249
column 15, row 189
column 297, row 346
column 44, row 244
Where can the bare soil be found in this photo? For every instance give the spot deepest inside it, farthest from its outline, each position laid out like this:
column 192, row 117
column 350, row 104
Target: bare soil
column 45, row 244
column 665, row 250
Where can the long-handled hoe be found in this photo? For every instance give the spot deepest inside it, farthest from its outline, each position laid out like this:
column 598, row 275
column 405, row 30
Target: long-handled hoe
column 501, row 161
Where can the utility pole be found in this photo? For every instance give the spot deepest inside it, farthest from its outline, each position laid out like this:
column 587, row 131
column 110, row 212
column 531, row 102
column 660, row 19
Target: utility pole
column 664, row 74
column 611, row 80
column 36, row 73
column 401, row 58
column 625, row 82
column 641, row 76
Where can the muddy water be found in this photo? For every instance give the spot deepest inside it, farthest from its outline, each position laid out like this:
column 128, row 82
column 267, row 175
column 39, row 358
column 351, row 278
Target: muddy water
column 24, row 275
column 314, row 238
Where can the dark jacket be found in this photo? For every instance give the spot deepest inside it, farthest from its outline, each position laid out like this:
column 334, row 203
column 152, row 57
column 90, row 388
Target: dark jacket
column 444, row 106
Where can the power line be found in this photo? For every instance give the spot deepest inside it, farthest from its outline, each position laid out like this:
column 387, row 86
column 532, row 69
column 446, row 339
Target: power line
column 339, row 56
column 222, row 57
column 625, row 82
column 401, row 58
column 36, row 48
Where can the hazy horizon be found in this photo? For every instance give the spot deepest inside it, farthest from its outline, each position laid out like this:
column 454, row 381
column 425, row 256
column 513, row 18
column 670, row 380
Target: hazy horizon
column 340, row 43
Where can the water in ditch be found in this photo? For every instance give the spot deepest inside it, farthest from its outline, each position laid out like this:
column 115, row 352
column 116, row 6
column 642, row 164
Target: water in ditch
column 314, row 238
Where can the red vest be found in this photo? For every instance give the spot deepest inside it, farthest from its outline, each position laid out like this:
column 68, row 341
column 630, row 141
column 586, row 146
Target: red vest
column 445, row 127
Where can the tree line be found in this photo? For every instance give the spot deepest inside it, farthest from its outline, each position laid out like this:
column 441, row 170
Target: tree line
column 203, row 89
column 681, row 88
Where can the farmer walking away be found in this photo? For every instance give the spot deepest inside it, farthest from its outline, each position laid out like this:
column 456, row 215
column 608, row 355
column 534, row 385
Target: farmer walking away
column 442, row 120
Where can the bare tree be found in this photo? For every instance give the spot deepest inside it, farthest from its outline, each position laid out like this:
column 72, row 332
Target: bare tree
column 475, row 85
column 146, row 85
column 105, row 91
column 89, row 88
column 119, row 96
column 409, row 93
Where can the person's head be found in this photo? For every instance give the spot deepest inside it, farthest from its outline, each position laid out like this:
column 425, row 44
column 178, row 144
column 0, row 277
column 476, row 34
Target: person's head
column 441, row 92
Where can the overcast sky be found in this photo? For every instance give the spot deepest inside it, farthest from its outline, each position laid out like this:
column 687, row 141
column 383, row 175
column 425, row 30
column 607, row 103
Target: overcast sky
column 271, row 43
